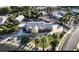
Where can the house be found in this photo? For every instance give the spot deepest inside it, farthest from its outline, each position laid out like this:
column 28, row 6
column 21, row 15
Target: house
column 3, row 19
column 41, row 7
column 63, row 13
column 56, row 15
column 48, row 26
column 19, row 18
column 38, row 26
column 43, row 13
column 45, row 18
column 74, row 11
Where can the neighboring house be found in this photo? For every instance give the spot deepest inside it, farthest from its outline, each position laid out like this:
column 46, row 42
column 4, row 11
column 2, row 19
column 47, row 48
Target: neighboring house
column 43, row 13
column 63, row 13
column 3, row 19
column 74, row 11
column 19, row 18
column 38, row 25
column 45, row 19
column 41, row 7
column 56, row 15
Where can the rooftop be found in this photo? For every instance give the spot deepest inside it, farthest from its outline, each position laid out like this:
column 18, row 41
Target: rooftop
column 75, row 10
column 44, row 18
column 20, row 18
column 40, row 25
column 3, row 19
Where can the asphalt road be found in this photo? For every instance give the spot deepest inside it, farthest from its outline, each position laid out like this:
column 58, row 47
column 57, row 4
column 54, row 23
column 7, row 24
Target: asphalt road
column 71, row 41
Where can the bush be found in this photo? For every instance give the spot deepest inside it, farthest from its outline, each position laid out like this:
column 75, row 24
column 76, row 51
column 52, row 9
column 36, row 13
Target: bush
column 24, row 40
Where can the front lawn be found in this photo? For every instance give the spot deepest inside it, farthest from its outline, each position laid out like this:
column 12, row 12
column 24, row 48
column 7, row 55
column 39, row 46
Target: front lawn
column 44, row 41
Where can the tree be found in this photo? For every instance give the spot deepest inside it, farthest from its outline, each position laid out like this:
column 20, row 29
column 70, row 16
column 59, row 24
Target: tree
column 55, row 40
column 64, row 20
column 3, row 11
column 53, row 44
column 1, row 30
column 77, row 17
column 36, row 42
column 14, row 29
column 35, row 37
column 43, row 41
column 24, row 40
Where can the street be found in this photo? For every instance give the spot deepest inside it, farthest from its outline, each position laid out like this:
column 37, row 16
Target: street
column 71, row 41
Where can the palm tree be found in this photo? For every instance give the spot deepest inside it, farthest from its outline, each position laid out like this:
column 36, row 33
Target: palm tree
column 77, row 17
column 35, row 37
column 43, row 41
column 55, row 41
column 64, row 20
column 53, row 44
column 36, row 42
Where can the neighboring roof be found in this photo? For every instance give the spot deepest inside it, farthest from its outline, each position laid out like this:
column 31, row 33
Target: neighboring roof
column 75, row 10
column 57, row 16
column 43, row 12
column 41, row 7
column 59, row 13
column 3, row 19
column 43, row 18
column 62, row 12
column 56, row 12
column 20, row 18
